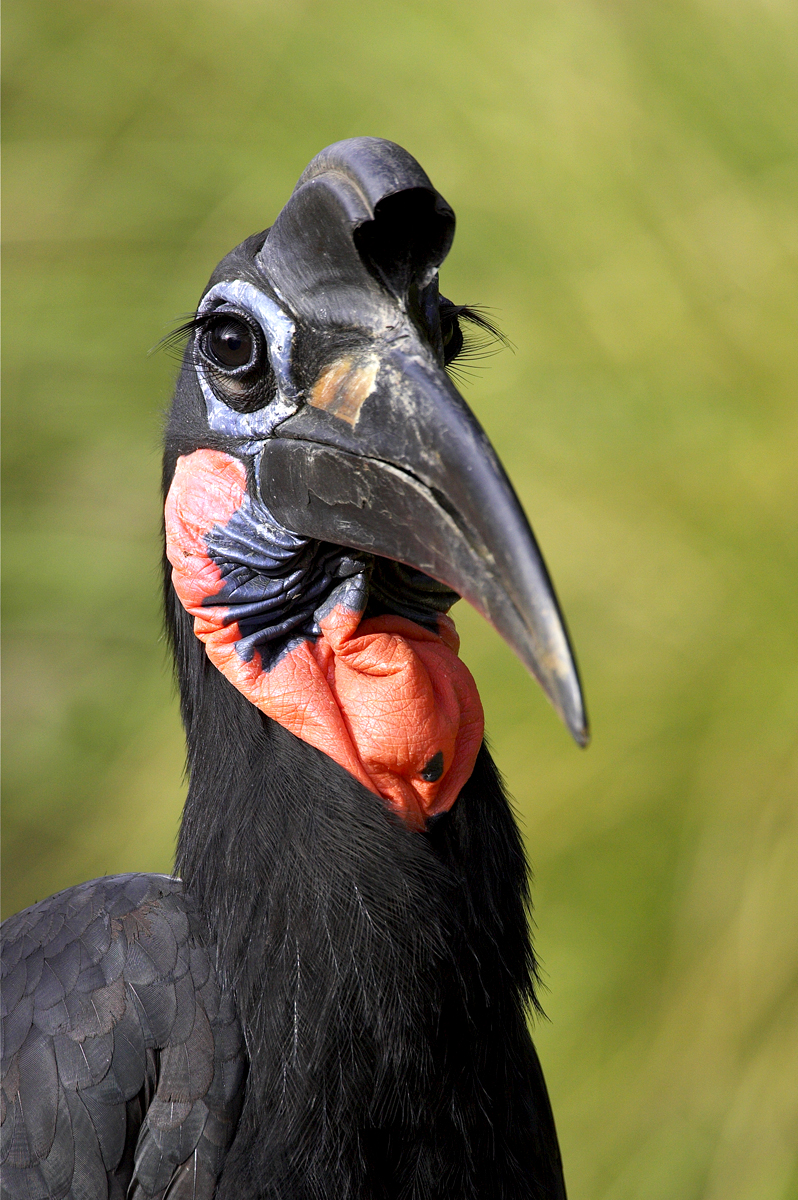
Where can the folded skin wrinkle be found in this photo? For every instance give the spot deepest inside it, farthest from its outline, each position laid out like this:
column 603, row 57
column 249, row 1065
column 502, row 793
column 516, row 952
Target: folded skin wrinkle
column 284, row 619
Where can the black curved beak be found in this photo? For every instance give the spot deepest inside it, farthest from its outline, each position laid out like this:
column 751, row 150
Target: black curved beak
column 386, row 457
column 383, row 455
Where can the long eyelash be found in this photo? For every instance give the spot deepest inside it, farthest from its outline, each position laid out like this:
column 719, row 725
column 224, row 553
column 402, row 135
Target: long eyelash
column 482, row 341
column 174, row 343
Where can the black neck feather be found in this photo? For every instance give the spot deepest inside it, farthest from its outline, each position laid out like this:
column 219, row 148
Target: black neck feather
column 382, row 977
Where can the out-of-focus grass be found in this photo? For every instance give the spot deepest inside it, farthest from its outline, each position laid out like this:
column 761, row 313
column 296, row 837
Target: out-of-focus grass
column 625, row 180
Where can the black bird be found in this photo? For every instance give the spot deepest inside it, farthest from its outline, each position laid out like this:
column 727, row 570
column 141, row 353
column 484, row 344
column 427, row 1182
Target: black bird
column 330, row 997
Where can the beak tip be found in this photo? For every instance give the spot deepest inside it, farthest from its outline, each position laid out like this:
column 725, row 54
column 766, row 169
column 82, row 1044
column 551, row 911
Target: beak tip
column 581, row 735
column 558, row 675
column 577, row 724
column 571, row 707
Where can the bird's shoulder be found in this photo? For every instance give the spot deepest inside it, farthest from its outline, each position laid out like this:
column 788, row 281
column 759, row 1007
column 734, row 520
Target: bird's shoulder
column 123, row 1059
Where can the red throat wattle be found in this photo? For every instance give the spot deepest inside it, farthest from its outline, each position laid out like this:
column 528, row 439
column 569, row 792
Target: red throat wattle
column 386, row 698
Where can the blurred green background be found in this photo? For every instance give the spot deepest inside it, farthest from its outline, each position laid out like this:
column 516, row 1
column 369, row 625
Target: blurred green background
column 625, row 180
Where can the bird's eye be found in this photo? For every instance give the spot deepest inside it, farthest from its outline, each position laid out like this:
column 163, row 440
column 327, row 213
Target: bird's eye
column 229, row 343
column 236, row 362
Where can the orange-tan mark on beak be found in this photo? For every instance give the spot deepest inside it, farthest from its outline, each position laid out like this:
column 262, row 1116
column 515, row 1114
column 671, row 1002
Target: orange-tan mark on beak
column 344, row 386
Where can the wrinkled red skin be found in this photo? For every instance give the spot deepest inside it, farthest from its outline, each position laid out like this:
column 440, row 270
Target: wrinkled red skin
column 381, row 696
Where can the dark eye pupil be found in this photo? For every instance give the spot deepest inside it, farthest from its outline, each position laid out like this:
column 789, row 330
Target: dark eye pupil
column 230, row 343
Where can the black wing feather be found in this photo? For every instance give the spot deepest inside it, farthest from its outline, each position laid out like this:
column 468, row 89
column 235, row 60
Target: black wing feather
column 123, row 1061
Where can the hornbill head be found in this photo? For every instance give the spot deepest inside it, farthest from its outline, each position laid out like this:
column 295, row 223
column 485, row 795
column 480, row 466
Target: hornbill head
column 330, row 494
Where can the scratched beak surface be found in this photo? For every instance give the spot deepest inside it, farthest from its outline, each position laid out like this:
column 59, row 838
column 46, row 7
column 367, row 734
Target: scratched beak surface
column 387, row 458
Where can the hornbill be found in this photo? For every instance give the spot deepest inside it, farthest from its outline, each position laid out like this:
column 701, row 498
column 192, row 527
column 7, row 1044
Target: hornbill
column 329, row 998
